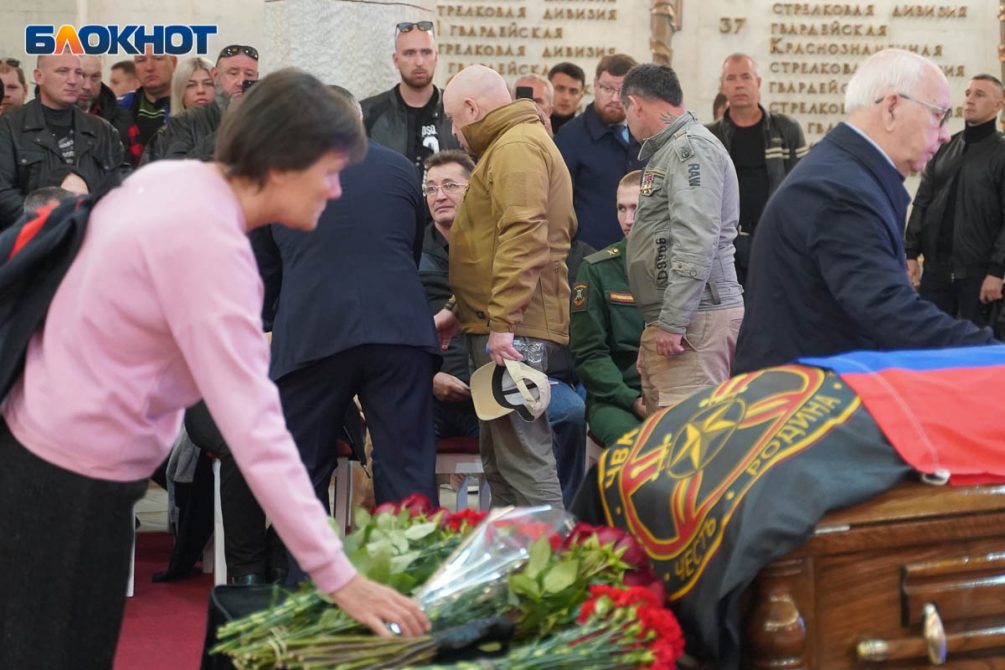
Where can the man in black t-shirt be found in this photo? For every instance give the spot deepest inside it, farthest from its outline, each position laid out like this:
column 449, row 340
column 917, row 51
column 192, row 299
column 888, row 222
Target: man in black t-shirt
column 49, row 142
column 409, row 118
column 764, row 147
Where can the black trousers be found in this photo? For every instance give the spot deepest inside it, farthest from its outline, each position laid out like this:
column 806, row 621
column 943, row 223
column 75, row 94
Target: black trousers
column 395, row 387
column 957, row 297
column 64, row 562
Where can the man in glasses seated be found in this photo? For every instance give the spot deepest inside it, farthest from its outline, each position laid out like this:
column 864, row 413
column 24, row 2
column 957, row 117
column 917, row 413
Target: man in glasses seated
column 828, row 272
column 192, row 133
column 409, row 118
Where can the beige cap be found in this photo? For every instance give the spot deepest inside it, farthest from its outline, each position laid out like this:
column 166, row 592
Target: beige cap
column 516, row 387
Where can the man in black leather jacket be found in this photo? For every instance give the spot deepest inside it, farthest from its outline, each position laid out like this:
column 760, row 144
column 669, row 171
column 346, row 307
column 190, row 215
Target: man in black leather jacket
column 409, row 117
column 99, row 100
column 192, row 133
column 958, row 221
column 49, row 142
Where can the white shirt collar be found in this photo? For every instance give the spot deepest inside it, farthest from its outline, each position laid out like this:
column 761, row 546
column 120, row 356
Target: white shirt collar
column 873, row 143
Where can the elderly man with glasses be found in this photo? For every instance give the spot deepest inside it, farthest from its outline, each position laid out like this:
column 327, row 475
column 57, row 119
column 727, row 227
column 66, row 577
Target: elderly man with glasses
column 828, row 272
column 599, row 150
column 409, row 117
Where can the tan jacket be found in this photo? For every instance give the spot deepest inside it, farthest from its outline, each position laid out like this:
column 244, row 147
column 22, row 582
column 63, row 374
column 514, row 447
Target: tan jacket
column 513, row 230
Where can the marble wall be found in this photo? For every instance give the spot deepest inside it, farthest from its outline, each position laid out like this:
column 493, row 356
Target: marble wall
column 807, row 49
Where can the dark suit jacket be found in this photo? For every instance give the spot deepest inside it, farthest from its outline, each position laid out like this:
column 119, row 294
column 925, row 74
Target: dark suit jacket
column 828, row 272
column 355, row 279
column 597, row 160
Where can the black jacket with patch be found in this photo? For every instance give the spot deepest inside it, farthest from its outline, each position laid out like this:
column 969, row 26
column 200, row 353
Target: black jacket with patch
column 30, row 158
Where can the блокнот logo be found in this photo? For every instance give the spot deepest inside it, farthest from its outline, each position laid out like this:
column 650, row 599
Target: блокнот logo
column 175, row 40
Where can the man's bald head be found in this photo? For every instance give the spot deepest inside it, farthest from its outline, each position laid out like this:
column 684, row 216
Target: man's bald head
column 472, row 94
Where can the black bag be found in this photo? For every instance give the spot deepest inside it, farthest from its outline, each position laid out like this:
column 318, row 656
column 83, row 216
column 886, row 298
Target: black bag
column 35, row 254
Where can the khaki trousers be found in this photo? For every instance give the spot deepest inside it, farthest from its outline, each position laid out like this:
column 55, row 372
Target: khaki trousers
column 517, row 455
column 709, row 345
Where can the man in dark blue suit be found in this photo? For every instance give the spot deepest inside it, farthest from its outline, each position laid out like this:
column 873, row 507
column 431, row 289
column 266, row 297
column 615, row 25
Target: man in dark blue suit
column 828, row 272
column 349, row 317
column 599, row 150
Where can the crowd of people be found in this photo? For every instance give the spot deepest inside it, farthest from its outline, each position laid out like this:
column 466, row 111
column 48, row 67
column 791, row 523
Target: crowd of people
column 625, row 249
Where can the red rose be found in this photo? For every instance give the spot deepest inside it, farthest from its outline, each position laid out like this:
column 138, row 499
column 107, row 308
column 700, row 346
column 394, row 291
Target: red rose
column 385, row 508
column 646, row 578
column 416, row 504
column 579, row 534
column 608, row 536
column 635, row 556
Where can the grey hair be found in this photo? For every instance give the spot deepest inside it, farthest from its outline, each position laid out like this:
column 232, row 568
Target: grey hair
column 186, row 68
column 885, row 72
column 740, row 56
column 539, row 79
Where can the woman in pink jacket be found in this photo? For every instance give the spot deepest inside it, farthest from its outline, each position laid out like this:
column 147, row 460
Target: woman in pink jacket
column 161, row 307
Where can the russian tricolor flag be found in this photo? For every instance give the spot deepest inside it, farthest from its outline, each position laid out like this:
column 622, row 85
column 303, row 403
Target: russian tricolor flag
column 942, row 409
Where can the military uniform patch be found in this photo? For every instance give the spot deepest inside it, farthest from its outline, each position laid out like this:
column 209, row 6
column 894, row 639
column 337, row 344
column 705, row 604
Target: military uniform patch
column 620, row 297
column 646, row 188
column 579, row 296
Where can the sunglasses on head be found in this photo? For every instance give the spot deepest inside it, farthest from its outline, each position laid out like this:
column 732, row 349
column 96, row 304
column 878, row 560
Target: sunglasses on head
column 235, row 49
column 13, row 62
column 409, row 26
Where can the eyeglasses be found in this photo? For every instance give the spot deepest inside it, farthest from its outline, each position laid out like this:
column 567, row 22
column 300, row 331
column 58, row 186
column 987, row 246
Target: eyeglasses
column 940, row 114
column 409, row 26
column 449, row 188
column 609, row 90
column 13, row 62
column 235, row 49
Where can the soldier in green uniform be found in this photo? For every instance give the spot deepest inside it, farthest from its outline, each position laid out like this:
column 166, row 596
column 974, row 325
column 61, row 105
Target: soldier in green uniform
column 605, row 330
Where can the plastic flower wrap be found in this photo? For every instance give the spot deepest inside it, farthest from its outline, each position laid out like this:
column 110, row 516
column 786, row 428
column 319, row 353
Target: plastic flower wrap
column 473, row 581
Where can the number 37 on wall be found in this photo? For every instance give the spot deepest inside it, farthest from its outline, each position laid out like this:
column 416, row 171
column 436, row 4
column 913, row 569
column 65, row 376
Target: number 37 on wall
column 732, row 24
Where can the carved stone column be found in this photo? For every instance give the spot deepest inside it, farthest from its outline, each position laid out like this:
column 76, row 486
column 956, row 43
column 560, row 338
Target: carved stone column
column 665, row 20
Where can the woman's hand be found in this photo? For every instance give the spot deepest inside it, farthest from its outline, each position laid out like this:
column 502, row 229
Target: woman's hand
column 378, row 606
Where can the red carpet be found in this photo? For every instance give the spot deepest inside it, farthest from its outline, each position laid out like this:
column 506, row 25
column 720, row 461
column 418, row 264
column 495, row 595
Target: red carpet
column 165, row 623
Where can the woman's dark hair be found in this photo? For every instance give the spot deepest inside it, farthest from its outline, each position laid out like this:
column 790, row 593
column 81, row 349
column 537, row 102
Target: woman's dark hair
column 286, row 122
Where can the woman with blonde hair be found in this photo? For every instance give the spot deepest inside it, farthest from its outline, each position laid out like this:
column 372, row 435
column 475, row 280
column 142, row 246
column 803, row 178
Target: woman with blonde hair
column 192, row 83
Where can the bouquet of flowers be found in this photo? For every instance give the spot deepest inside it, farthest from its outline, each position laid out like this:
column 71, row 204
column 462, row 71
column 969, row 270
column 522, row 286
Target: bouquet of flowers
column 618, row 628
column 533, row 567
column 398, row 544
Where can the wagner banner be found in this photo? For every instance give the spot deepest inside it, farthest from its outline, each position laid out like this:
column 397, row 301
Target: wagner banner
column 736, row 476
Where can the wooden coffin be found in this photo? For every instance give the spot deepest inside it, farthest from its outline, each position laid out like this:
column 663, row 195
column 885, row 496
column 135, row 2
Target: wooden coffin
column 860, row 589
